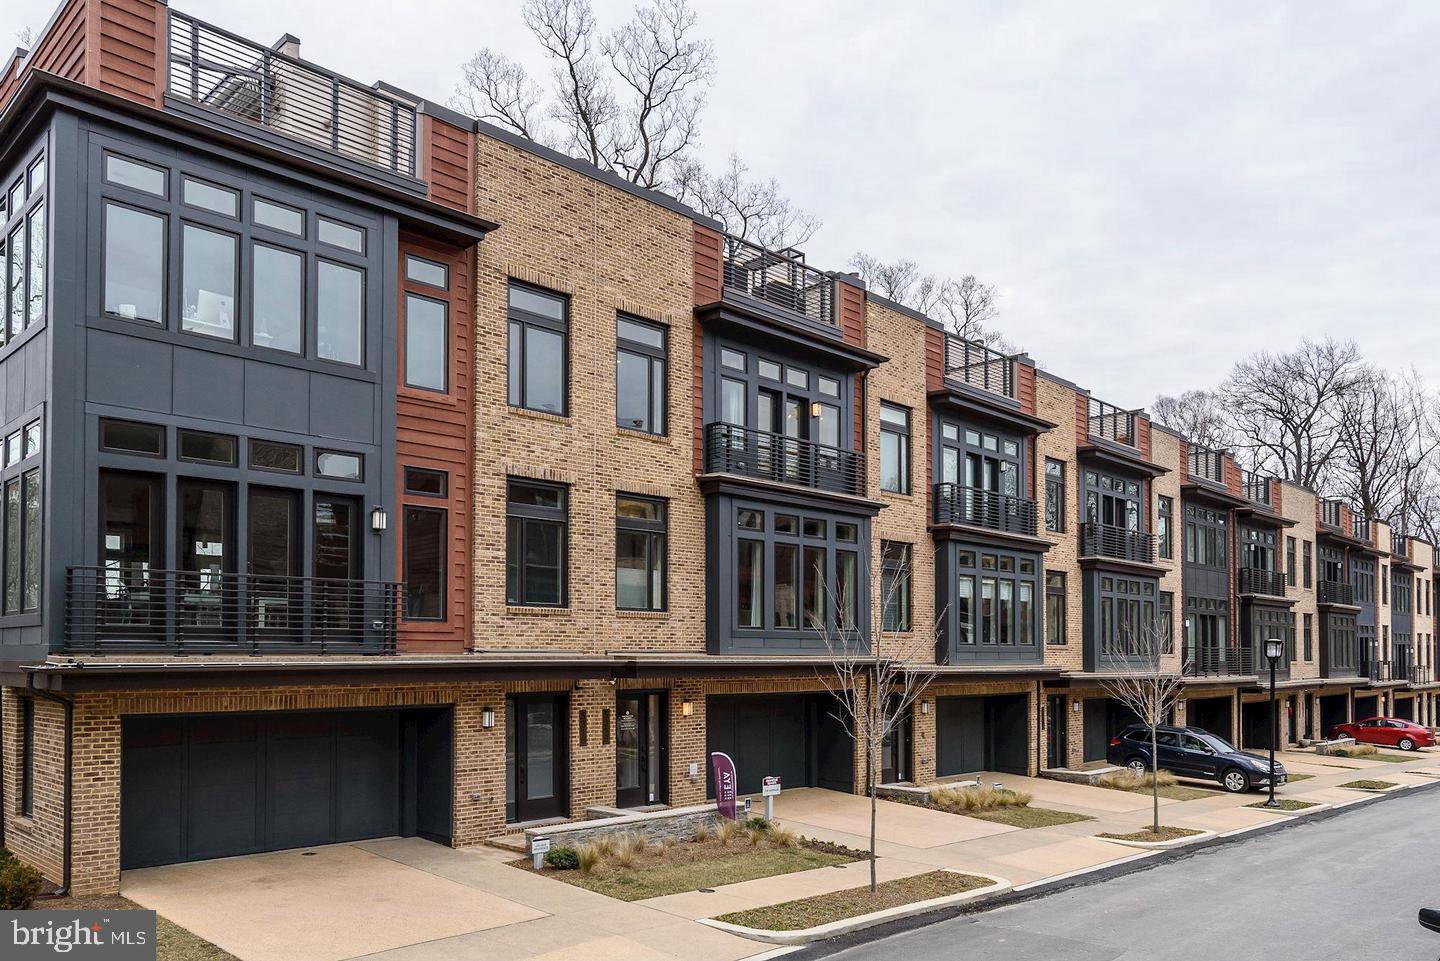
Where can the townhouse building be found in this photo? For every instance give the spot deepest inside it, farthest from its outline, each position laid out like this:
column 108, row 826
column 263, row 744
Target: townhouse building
column 369, row 471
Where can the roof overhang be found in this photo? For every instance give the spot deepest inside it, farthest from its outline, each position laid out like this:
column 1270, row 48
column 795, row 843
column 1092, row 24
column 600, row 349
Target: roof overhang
column 758, row 322
column 964, row 399
column 1122, row 458
column 1194, row 487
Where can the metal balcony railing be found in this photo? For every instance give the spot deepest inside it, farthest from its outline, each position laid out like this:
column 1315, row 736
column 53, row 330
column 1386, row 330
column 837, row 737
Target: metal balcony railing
column 1400, row 544
column 781, row 278
column 971, row 363
column 1102, row 540
column 1330, row 513
column 1255, row 580
column 216, row 69
column 1256, row 488
column 955, row 504
column 1218, row 662
column 1207, row 464
column 1377, row 671
column 133, row 610
column 1109, row 422
column 1401, row 661
column 730, row 449
column 1360, row 528
column 1336, row 592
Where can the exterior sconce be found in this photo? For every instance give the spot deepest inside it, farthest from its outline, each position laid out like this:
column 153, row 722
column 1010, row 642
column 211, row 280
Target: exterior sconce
column 687, row 707
column 378, row 519
column 924, row 707
column 487, row 717
column 815, row 409
column 1075, row 707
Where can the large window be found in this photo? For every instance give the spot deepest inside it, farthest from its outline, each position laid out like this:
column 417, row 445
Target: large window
column 538, row 358
column 278, row 298
column 22, row 249
column 1309, row 637
column 1206, row 536
column 640, row 361
column 134, row 264
column 1054, row 495
column 1113, row 501
column 20, row 546
column 640, row 553
column 208, row 271
column 1305, row 569
column 340, row 313
column 895, row 586
column 1165, row 528
column 1055, row 630
column 1362, row 575
column 796, row 571
column 535, row 544
column 427, row 329
column 1290, row 562
column 426, row 535
column 1266, row 623
column 894, row 448
column 1401, row 596
column 996, row 599
column 1128, row 624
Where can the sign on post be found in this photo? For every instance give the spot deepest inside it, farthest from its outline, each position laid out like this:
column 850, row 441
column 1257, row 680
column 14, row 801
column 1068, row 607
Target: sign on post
column 538, row 849
column 769, row 788
column 724, row 769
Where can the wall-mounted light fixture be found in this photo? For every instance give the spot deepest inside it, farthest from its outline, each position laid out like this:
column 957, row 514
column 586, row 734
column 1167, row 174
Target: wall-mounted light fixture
column 378, row 519
column 815, row 409
column 487, row 717
column 687, row 707
column 924, row 707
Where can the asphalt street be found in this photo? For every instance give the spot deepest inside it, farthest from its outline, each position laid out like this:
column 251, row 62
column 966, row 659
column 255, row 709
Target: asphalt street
column 1346, row 888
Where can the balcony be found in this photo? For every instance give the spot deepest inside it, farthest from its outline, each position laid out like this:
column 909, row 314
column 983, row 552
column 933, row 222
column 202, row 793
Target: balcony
column 730, row 449
column 955, row 504
column 111, row 611
column 1400, row 545
column 971, row 363
column 1103, row 540
column 1336, row 592
column 1330, row 514
column 1360, row 528
column 220, row 71
column 1108, row 422
column 780, row 278
column 1218, row 662
column 1207, row 464
column 1256, row 580
column 1256, row 488
column 1379, row 672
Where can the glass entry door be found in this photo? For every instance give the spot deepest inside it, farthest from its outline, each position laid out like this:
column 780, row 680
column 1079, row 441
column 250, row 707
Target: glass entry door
column 132, row 601
column 339, row 597
column 207, row 553
column 639, row 749
column 274, row 544
column 536, row 757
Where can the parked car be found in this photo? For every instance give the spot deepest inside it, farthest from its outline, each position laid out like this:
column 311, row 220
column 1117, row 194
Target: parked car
column 1390, row 731
column 1194, row 752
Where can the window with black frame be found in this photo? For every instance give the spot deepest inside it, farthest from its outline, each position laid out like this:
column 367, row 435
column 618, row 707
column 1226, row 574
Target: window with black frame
column 22, row 248
column 796, row 570
column 894, row 448
column 640, row 552
column 895, row 586
column 1290, row 575
column 1055, row 604
column 1306, row 565
column 1309, row 637
column 426, row 534
column 1207, row 537
column 994, row 599
column 1127, row 616
column 23, row 517
column 980, row 469
column 641, row 359
column 536, row 534
column 538, row 349
column 1054, row 495
column 1164, row 530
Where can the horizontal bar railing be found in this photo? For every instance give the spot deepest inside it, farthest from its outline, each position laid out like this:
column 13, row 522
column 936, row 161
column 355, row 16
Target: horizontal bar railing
column 1400, row 544
column 1109, row 422
column 971, row 363
column 243, row 79
column 1336, row 592
column 1217, row 661
column 1360, row 528
column 1256, row 580
column 1103, row 540
column 955, row 504
column 1256, row 488
column 730, row 449
column 138, row 610
column 1330, row 513
column 781, row 278
column 1207, row 464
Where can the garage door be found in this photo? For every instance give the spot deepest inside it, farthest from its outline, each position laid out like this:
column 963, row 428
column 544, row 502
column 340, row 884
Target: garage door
column 1212, row 714
column 795, row 737
column 981, row 734
column 216, row 785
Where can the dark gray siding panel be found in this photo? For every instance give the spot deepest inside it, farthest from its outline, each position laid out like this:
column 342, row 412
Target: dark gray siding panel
column 128, row 372
column 342, row 408
column 208, row 385
column 277, row 397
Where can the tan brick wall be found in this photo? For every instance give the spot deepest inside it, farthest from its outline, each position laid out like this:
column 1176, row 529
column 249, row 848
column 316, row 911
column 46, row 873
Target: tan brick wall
column 610, row 252
column 37, row 839
column 1055, row 402
column 1298, row 505
column 1166, row 452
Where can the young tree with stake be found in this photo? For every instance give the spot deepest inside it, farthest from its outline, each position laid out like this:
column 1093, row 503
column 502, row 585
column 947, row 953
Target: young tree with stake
column 1149, row 686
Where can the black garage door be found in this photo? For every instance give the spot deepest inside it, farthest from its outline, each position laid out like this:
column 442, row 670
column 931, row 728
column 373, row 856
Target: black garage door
column 1367, row 705
column 1332, row 712
column 981, row 734
column 1213, row 714
column 1255, row 724
column 1105, row 718
column 1405, row 708
column 796, row 737
column 215, row 785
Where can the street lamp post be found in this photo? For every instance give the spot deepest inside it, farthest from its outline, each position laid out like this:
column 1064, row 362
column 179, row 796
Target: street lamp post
column 1274, row 650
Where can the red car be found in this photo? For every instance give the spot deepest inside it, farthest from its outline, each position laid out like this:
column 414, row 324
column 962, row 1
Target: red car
column 1390, row 731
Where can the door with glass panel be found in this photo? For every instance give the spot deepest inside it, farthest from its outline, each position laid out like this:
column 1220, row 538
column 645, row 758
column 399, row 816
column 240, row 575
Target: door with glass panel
column 640, row 749
column 275, row 596
column 132, row 594
column 205, row 608
column 536, row 759
column 338, row 594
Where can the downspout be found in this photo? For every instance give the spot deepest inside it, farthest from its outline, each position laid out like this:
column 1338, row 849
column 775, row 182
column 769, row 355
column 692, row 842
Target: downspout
column 1040, row 725
column 69, row 706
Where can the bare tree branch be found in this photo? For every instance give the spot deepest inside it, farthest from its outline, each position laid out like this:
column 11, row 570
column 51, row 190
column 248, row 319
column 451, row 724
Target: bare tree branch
column 1198, row 414
column 751, row 209
column 1149, row 685
column 966, row 306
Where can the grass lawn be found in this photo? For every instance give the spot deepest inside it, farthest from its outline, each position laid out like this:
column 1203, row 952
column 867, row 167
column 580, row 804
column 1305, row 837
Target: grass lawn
column 173, row 943
column 1291, row 778
column 692, row 865
column 839, row 905
column 1284, row 804
column 1389, row 758
column 1169, row 787
column 1166, row 833
column 1369, row 784
column 998, row 806
column 1027, row 817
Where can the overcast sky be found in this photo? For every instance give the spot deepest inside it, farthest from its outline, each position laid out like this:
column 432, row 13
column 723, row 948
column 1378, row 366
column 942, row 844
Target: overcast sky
column 1154, row 188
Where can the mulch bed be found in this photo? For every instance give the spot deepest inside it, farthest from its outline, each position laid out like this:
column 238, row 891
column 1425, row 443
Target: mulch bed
column 839, row 905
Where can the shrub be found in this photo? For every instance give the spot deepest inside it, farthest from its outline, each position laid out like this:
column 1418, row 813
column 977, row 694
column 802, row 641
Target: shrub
column 19, row 884
column 784, row 837
column 563, row 858
column 757, row 824
column 1127, row 781
column 587, row 856
column 755, row 835
column 627, row 848
column 604, row 845
column 979, row 798
column 728, row 831
column 703, row 832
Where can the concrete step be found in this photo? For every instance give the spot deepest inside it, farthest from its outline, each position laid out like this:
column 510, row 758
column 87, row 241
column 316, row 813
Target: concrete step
column 1091, row 776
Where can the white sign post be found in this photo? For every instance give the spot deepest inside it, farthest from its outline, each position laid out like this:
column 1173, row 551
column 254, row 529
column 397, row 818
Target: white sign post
column 768, row 789
column 538, row 849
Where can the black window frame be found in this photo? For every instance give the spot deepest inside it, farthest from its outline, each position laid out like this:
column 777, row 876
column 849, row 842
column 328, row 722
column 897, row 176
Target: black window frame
column 528, row 320
column 444, row 305
column 1055, row 496
column 442, row 476
column 1306, row 551
column 1309, row 625
column 1165, row 526
column 1290, row 572
column 531, row 514
column 19, row 221
column 1056, row 591
column 902, row 449
column 21, row 473
column 1115, row 610
column 652, row 356
column 443, row 567
column 896, row 587
column 657, row 537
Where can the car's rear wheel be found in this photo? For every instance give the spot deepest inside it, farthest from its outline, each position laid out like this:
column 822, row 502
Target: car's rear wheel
column 1137, row 766
column 1235, row 781
column 1406, row 744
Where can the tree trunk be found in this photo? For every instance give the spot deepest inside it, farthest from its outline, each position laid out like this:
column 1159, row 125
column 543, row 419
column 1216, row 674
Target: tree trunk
column 870, row 779
column 1155, row 777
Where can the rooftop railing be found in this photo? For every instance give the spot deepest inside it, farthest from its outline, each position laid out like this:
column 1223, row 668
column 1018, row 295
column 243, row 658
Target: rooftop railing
column 971, row 363
column 1109, row 422
column 730, row 449
column 1360, row 528
column 955, row 504
column 781, row 278
column 1330, row 513
column 1207, row 464
column 1400, row 544
column 216, row 69
column 1256, row 488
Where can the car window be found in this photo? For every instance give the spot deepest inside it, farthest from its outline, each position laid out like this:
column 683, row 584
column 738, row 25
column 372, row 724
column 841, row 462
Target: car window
column 1167, row 738
column 1219, row 744
column 1193, row 743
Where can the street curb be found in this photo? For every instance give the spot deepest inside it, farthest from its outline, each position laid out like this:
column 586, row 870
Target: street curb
column 1159, row 845
column 835, row 928
column 1140, row 861
column 1314, row 808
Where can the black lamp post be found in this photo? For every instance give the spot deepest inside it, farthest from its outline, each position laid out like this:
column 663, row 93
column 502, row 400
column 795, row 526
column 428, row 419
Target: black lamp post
column 1274, row 650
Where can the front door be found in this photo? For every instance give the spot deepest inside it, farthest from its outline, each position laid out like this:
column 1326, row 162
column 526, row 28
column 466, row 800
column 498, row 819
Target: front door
column 274, row 565
column 207, row 552
column 640, row 749
column 536, row 758
column 895, row 766
column 338, row 605
column 1057, row 737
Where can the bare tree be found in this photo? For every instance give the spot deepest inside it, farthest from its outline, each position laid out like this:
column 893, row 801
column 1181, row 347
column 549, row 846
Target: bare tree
column 873, row 693
column 628, row 101
column 25, row 36
column 1388, row 446
column 1286, row 408
column 751, row 208
column 966, row 306
column 1198, row 414
column 1149, row 685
